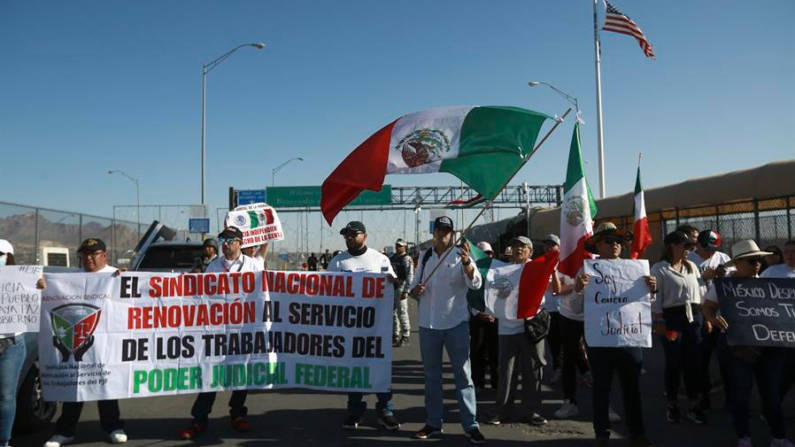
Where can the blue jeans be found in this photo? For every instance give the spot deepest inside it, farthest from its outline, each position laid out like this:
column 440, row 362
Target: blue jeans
column 11, row 361
column 456, row 341
column 628, row 362
column 357, row 405
column 767, row 371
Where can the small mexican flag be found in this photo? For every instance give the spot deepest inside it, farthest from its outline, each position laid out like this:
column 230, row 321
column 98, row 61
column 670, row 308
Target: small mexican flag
column 576, row 213
column 483, row 146
column 642, row 236
column 515, row 291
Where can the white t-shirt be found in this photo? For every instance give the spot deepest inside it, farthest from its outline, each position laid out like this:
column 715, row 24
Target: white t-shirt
column 371, row 261
column 717, row 258
column 551, row 301
column 564, row 303
column 779, row 271
column 241, row 264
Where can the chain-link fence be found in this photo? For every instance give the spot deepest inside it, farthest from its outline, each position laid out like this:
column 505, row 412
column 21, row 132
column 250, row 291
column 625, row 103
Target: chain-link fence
column 51, row 237
column 768, row 222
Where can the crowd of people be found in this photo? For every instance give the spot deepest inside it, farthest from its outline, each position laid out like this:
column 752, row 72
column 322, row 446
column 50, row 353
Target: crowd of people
column 686, row 320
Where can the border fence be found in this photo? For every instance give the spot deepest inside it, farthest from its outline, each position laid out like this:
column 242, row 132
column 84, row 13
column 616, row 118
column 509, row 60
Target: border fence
column 51, row 237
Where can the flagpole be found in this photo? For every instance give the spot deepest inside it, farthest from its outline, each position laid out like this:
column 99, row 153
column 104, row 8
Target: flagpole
column 490, row 202
column 640, row 154
column 599, row 133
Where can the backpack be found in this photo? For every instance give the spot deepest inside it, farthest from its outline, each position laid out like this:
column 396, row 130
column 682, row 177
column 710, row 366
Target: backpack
column 399, row 267
column 425, row 259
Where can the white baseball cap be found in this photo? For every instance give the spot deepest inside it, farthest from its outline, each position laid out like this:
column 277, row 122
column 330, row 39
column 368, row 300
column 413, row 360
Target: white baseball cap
column 6, row 247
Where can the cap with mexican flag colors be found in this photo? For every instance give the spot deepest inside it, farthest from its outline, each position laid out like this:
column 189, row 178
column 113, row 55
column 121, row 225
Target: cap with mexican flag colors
column 576, row 213
column 483, row 146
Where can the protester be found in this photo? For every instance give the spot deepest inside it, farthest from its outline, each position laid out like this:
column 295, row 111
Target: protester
column 311, row 263
column 765, row 364
column 518, row 355
column 404, row 269
column 258, row 254
column 551, row 303
column 209, row 252
column 677, row 321
column 711, row 264
column 607, row 242
column 325, row 258
column 572, row 329
column 360, row 258
column 12, row 358
column 775, row 258
column 94, row 259
column 785, row 270
column 443, row 324
column 690, row 231
column 483, row 339
column 233, row 260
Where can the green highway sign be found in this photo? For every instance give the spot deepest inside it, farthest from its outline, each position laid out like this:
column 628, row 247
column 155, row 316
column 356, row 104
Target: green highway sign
column 309, row 196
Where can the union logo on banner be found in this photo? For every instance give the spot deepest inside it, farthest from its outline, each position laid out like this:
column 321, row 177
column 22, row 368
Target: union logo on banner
column 73, row 326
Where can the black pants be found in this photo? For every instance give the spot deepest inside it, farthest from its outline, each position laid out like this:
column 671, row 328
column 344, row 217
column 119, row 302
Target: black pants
column 788, row 376
column 204, row 405
column 109, row 417
column 483, row 347
column 627, row 362
column 709, row 343
column 683, row 354
column 571, row 332
column 555, row 340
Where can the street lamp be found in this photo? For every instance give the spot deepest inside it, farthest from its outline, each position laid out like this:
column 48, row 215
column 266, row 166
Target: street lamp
column 569, row 98
column 137, row 195
column 279, row 168
column 206, row 68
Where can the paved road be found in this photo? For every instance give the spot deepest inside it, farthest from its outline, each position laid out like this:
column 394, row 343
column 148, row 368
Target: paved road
column 301, row 418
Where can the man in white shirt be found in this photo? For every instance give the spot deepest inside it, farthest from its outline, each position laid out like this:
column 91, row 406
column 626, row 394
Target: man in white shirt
column 232, row 261
column 443, row 320
column 94, row 259
column 360, row 258
column 258, row 254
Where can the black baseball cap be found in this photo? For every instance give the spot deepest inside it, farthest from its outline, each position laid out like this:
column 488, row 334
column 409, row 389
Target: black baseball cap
column 91, row 245
column 355, row 226
column 443, row 223
column 231, row 232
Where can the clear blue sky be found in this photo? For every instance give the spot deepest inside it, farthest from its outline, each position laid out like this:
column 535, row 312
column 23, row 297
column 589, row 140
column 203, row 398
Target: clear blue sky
column 89, row 86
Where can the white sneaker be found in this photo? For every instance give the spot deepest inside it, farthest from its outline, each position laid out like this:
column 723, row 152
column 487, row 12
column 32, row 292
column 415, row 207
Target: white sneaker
column 781, row 443
column 118, row 437
column 58, row 441
column 612, row 415
column 568, row 410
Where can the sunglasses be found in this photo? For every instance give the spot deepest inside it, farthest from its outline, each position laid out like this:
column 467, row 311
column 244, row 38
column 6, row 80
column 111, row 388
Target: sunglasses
column 228, row 240
column 613, row 240
column 752, row 260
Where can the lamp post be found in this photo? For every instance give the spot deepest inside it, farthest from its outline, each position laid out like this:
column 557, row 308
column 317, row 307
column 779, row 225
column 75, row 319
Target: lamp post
column 137, row 196
column 601, row 155
column 280, row 167
column 206, row 68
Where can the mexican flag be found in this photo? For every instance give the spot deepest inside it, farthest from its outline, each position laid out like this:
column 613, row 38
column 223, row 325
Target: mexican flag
column 483, row 146
column 515, row 291
column 576, row 213
column 642, row 237
column 461, row 203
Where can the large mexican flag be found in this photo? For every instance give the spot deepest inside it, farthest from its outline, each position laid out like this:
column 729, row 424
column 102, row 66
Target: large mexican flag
column 642, row 237
column 576, row 213
column 483, row 146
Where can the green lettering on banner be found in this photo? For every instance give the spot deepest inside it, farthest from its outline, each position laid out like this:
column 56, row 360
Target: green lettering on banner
column 333, row 376
column 168, row 379
column 259, row 374
column 309, row 196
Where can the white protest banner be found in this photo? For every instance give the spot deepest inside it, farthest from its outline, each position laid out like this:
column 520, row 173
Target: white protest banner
column 146, row 334
column 258, row 222
column 20, row 300
column 617, row 303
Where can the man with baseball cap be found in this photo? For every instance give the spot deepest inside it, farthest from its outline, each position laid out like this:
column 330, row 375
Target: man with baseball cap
column 232, row 261
column 360, row 258
column 444, row 316
column 711, row 264
column 763, row 364
column 94, row 259
column 403, row 266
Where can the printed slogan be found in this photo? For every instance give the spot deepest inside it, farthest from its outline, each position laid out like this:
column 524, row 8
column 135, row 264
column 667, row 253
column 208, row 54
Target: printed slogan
column 135, row 335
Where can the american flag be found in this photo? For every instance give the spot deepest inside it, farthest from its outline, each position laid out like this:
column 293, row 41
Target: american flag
column 618, row 22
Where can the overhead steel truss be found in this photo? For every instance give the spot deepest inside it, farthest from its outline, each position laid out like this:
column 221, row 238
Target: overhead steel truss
column 438, row 197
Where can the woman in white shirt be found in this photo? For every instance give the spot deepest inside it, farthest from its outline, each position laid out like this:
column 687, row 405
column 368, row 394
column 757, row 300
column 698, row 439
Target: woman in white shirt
column 677, row 320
